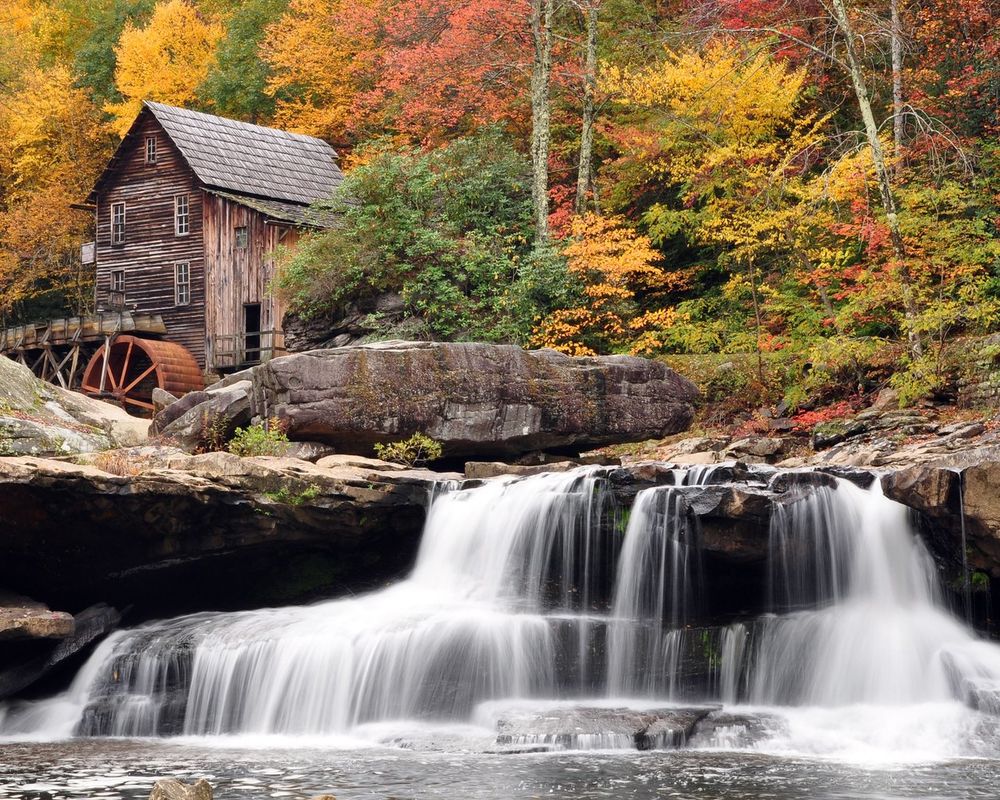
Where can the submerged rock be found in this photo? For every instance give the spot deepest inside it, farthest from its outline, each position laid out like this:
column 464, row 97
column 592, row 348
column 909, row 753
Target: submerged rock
column 729, row 730
column 170, row 789
column 589, row 728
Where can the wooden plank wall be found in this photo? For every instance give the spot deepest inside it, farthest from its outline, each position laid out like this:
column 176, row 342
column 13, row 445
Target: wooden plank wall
column 151, row 247
column 237, row 276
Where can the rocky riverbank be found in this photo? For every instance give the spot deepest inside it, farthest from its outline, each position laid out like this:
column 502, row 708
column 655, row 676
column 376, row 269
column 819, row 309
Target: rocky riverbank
column 154, row 531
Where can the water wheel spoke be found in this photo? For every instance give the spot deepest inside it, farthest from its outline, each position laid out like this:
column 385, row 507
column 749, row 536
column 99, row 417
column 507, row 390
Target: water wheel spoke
column 138, row 380
column 125, row 364
column 110, row 373
column 139, row 403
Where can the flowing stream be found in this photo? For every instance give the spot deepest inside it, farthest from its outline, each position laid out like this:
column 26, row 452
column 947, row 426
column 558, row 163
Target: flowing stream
column 536, row 596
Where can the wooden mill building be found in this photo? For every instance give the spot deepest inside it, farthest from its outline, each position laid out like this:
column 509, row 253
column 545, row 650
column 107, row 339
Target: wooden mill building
column 189, row 214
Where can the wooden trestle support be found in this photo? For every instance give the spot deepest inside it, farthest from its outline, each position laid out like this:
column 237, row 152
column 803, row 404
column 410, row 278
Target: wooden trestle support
column 113, row 356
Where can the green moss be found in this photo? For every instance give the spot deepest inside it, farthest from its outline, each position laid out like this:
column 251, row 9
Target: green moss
column 288, row 497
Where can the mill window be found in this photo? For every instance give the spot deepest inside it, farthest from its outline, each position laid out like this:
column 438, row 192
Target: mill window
column 182, row 215
column 182, row 283
column 150, row 149
column 117, row 223
column 241, row 237
column 118, row 280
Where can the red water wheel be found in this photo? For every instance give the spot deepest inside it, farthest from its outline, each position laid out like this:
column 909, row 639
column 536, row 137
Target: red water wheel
column 135, row 366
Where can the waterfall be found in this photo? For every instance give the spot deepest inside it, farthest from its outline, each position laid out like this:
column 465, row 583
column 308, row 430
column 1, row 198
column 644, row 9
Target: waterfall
column 655, row 593
column 535, row 590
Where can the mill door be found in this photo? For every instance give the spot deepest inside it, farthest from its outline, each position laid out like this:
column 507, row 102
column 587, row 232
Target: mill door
column 251, row 333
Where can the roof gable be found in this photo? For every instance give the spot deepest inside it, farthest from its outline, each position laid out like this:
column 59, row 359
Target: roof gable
column 244, row 158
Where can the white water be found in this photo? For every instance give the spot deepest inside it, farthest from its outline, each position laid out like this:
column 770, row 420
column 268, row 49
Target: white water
column 521, row 595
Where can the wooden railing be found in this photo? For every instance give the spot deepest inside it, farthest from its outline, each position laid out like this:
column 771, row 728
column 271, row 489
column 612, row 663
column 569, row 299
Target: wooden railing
column 232, row 351
column 91, row 327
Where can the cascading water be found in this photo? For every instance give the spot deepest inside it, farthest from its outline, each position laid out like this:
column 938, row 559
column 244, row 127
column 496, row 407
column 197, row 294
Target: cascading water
column 533, row 591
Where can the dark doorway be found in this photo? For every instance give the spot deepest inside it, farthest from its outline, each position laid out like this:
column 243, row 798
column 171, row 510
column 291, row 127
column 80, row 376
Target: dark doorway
column 251, row 332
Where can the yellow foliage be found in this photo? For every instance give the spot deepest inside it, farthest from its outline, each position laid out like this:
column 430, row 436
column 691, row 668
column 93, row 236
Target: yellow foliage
column 51, row 134
column 614, row 265
column 725, row 93
column 52, row 145
column 318, row 52
column 165, row 61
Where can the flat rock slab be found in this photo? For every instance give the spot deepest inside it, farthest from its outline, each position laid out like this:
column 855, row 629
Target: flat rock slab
column 21, row 618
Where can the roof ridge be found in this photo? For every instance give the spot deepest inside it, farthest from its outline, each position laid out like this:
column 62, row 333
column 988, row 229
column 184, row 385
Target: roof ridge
column 153, row 105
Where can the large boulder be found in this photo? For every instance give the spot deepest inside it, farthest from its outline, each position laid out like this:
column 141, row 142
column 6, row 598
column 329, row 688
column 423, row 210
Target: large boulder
column 476, row 399
column 40, row 419
column 23, row 618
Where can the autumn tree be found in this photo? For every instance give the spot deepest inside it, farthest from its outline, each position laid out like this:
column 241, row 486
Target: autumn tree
column 617, row 270
column 165, row 61
column 237, row 84
column 51, row 146
column 319, row 53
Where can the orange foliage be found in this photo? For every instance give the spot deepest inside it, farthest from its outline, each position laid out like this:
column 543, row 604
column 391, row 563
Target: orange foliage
column 615, row 266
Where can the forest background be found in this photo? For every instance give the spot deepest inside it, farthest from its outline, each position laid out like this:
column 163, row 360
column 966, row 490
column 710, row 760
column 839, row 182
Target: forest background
column 807, row 188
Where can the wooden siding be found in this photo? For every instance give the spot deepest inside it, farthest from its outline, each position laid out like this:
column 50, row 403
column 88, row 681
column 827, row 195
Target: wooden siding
column 235, row 277
column 151, row 247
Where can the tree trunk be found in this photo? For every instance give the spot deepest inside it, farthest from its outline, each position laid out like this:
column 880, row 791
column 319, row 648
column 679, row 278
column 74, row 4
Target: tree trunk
column 541, row 79
column 584, row 175
column 896, row 44
column 881, row 173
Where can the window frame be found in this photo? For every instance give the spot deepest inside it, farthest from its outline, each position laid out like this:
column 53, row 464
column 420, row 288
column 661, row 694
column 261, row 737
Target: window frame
column 180, row 285
column 117, row 281
column 241, row 231
column 151, row 147
column 118, row 227
column 182, row 219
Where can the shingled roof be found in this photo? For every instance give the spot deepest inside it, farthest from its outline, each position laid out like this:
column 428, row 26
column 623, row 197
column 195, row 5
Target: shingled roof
column 247, row 159
column 251, row 159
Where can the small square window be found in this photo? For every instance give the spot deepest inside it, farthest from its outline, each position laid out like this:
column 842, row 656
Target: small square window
column 241, row 237
column 182, row 215
column 182, row 283
column 150, row 149
column 118, row 280
column 117, row 223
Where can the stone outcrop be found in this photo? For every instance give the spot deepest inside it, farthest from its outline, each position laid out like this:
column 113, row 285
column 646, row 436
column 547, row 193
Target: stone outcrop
column 25, row 662
column 37, row 418
column 168, row 532
column 478, row 400
column 952, row 495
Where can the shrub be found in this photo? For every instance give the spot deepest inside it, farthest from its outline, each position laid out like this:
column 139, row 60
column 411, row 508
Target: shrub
column 418, row 449
column 120, row 462
column 264, row 439
column 212, row 437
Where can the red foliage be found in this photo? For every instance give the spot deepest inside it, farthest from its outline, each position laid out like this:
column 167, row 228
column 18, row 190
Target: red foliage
column 807, row 420
column 446, row 67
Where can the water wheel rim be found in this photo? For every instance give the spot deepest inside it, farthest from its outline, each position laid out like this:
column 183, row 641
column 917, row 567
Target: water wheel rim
column 134, row 367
